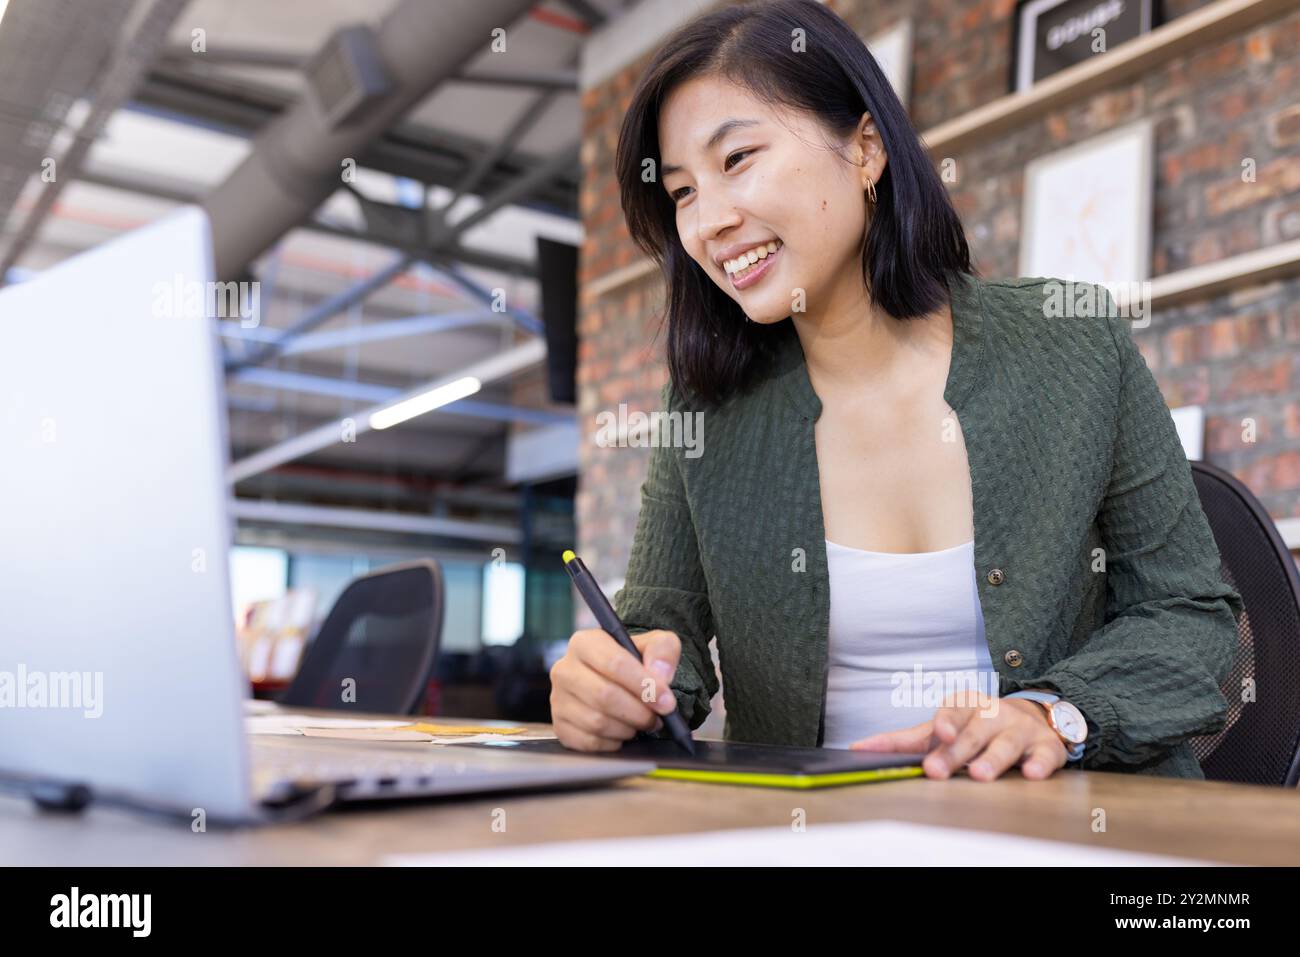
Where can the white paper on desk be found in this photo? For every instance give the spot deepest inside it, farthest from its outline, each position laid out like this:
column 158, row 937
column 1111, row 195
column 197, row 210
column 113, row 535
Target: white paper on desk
column 880, row 843
column 294, row 723
column 367, row 734
column 479, row 738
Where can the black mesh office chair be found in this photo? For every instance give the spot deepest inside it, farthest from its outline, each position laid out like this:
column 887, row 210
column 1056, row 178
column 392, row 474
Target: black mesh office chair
column 1261, row 742
column 383, row 633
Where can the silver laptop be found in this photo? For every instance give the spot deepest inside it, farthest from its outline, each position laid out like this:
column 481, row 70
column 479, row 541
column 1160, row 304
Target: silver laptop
column 118, row 668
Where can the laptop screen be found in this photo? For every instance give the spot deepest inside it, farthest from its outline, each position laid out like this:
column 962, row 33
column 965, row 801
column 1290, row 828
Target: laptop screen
column 117, row 660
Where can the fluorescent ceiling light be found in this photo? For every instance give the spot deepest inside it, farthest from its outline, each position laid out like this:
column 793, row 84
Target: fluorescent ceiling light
column 425, row 402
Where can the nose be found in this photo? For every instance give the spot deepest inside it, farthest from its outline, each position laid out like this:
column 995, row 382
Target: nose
column 716, row 216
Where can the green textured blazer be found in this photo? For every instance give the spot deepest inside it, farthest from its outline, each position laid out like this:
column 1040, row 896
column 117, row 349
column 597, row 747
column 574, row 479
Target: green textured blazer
column 1071, row 449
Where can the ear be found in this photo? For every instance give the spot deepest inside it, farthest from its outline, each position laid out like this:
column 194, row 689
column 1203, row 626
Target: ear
column 871, row 150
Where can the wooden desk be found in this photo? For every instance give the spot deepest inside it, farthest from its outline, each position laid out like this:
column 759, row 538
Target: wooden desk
column 1231, row 823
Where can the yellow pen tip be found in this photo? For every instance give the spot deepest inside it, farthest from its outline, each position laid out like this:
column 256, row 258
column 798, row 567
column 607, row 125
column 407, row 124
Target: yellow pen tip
column 568, row 555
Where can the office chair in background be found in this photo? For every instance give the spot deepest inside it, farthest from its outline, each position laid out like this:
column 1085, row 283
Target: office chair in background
column 383, row 633
column 1260, row 744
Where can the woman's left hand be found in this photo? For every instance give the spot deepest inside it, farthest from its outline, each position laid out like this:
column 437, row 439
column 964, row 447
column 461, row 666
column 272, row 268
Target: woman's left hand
column 990, row 740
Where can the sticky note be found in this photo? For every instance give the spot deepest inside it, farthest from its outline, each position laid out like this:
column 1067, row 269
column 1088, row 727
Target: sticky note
column 430, row 728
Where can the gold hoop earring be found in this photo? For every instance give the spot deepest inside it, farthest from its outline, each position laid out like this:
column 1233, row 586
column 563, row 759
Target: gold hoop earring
column 871, row 192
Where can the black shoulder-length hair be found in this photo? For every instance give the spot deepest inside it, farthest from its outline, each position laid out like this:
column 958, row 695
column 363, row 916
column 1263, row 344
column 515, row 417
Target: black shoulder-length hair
column 915, row 242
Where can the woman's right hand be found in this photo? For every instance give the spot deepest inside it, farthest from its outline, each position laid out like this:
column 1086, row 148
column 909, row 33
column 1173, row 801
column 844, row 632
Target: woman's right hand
column 601, row 695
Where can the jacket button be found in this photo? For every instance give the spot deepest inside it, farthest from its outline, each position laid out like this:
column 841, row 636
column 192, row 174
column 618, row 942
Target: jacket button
column 1014, row 658
column 995, row 577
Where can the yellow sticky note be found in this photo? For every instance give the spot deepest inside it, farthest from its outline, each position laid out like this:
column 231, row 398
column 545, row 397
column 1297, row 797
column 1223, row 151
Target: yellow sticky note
column 428, row 728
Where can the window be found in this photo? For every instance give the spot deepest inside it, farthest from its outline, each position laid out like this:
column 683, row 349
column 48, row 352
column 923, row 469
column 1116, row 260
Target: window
column 503, row 603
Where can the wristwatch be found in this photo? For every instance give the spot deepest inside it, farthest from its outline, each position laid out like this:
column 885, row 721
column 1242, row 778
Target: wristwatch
column 1066, row 720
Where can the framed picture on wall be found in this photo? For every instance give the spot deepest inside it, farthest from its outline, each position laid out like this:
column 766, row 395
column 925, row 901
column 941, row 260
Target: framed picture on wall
column 1087, row 209
column 1050, row 35
column 892, row 49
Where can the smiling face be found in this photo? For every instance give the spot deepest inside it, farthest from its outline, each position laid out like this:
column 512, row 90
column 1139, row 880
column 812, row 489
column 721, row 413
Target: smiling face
column 746, row 178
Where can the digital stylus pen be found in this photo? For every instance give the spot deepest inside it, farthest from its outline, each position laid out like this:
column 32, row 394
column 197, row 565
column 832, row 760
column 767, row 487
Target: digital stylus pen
column 608, row 619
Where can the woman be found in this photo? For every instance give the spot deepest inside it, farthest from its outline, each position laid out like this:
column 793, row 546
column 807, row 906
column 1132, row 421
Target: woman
column 930, row 514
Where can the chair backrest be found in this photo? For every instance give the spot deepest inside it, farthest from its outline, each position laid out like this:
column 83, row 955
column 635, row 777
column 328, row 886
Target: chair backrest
column 1260, row 744
column 383, row 633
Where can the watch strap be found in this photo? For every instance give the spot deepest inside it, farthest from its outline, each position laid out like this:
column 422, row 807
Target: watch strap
column 1073, row 752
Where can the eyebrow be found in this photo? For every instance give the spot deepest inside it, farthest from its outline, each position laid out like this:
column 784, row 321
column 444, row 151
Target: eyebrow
column 723, row 129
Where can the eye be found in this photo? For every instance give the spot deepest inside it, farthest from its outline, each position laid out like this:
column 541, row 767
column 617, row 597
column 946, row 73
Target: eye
column 675, row 195
column 727, row 165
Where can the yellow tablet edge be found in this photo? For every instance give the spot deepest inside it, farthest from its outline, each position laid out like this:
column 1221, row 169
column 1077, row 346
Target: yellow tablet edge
column 788, row 780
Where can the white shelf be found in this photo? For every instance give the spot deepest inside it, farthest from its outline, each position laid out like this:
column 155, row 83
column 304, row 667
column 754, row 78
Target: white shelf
column 1200, row 282
column 1140, row 55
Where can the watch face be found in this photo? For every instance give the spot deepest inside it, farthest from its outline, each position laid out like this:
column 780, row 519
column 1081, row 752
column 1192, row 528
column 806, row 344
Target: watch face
column 1070, row 722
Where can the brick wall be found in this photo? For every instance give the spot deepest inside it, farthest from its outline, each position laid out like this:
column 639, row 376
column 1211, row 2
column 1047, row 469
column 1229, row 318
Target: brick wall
column 1236, row 354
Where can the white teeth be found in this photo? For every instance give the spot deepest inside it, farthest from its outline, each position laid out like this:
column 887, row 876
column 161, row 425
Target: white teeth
column 747, row 259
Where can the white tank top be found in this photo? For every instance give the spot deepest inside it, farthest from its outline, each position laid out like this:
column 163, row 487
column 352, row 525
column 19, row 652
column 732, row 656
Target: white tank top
column 905, row 631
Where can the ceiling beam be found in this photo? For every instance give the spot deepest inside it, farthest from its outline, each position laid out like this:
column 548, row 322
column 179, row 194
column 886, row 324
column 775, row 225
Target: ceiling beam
column 430, row 156
column 287, row 513
column 320, row 313
column 181, row 57
column 491, row 369
column 380, row 331
column 585, row 11
column 286, row 381
column 113, row 89
column 295, row 162
column 377, row 231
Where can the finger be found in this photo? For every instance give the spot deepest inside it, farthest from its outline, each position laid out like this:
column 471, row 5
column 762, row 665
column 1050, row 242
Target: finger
column 576, row 739
column 1001, row 753
column 915, row 739
column 661, row 651
column 1042, row 759
column 947, row 758
column 593, row 722
column 597, row 692
column 949, row 722
column 606, row 657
